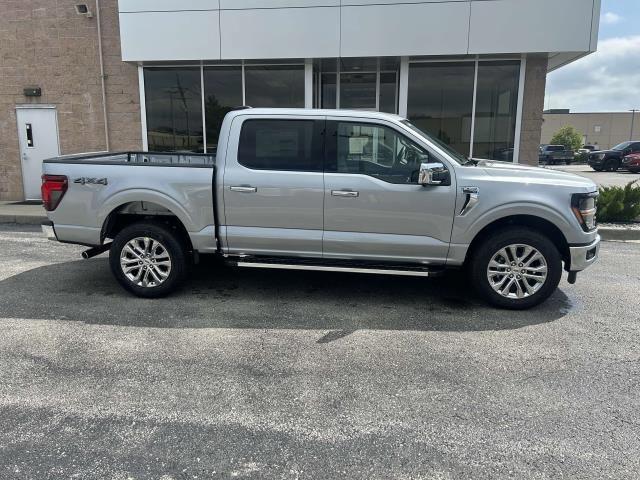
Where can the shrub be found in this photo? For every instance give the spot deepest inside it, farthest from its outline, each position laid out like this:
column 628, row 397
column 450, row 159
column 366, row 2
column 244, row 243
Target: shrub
column 569, row 137
column 619, row 204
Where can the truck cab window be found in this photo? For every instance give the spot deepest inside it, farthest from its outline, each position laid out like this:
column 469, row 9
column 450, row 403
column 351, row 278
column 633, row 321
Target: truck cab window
column 281, row 145
column 377, row 151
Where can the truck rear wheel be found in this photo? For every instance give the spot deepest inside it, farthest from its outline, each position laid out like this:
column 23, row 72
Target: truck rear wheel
column 516, row 268
column 148, row 260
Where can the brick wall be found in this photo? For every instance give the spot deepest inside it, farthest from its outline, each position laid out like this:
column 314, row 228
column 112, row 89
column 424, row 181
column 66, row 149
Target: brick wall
column 45, row 43
column 535, row 84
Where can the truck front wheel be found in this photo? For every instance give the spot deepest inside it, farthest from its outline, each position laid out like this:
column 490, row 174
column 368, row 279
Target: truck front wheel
column 516, row 268
column 148, row 260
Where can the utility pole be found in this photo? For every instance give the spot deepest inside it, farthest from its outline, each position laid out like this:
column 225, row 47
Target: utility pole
column 633, row 118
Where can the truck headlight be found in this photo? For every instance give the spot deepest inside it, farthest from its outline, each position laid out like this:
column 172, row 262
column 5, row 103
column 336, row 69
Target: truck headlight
column 584, row 208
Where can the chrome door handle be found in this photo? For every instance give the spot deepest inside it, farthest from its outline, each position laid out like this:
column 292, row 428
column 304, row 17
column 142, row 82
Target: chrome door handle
column 243, row 189
column 344, row 193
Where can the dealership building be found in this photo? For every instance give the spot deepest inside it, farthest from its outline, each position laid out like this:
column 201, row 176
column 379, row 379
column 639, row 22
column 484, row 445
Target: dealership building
column 159, row 75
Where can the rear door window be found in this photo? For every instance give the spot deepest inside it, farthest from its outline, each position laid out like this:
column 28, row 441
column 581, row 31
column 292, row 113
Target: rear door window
column 272, row 144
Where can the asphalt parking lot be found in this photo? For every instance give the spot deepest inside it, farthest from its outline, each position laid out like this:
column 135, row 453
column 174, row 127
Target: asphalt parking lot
column 275, row 374
column 605, row 179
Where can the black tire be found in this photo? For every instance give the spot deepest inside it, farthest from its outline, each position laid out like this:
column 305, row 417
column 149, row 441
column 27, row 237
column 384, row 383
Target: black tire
column 611, row 166
column 490, row 246
column 169, row 242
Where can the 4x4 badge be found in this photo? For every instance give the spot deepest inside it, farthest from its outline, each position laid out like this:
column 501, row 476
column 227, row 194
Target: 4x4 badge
column 90, row 181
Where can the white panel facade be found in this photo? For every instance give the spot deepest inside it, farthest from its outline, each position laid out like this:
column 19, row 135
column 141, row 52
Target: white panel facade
column 405, row 29
column 263, row 29
column 246, row 4
column 188, row 35
column 280, row 33
column 392, row 2
column 166, row 5
column 514, row 26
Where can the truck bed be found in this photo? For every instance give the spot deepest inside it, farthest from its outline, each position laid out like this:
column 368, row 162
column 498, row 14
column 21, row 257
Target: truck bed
column 179, row 184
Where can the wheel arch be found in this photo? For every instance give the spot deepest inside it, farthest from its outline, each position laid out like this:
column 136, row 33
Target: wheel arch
column 537, row 223
column 136, row 211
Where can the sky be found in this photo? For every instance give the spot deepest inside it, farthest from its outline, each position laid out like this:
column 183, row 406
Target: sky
column 608, row 80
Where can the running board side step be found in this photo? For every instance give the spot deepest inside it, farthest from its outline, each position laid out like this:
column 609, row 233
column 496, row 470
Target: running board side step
column 414, row 272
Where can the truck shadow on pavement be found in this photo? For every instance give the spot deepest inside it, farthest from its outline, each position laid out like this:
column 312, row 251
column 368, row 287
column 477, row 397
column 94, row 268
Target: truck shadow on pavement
column 217, row 296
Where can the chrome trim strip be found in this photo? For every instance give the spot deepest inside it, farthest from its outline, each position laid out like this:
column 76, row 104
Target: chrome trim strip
column 322, row 268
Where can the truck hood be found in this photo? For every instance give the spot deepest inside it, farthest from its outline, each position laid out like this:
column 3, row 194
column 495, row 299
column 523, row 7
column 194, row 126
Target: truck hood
column 525, row 174
column 607, row 152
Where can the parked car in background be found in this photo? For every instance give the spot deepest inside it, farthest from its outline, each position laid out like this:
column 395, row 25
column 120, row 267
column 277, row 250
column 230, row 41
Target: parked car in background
column 632, row 162
column 586, row 149
column 555, row 154
column 611, row 160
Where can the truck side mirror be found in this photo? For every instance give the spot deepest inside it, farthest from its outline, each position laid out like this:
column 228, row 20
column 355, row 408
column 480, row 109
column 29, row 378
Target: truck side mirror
column 434, row 173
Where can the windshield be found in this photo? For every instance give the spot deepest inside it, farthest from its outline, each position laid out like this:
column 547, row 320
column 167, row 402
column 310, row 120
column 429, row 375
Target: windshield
column 461, row 159
column 621, row 146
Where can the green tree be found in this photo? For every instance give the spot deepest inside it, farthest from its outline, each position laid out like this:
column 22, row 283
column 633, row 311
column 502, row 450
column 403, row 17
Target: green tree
column 569, row 137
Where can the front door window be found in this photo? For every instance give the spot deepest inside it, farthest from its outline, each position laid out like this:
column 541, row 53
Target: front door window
column 377, row 151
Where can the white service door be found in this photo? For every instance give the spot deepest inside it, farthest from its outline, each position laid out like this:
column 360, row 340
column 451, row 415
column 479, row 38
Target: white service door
column 38, row 135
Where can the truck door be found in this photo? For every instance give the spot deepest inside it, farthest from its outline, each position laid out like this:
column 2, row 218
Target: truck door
column 273, row 186
column 374, row 207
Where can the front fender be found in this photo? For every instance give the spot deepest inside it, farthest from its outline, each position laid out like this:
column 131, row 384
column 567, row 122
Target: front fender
column 465, row 229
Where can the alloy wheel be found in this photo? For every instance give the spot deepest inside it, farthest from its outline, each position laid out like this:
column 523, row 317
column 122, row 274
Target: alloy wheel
column 145, row 262
column 517, row 271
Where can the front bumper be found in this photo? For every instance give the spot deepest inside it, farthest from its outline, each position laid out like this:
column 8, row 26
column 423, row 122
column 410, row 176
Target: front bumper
column 48, row 230
column 595, row 162
column 584, row 256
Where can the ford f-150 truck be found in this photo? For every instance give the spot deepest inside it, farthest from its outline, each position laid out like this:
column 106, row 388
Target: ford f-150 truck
column 326, row 190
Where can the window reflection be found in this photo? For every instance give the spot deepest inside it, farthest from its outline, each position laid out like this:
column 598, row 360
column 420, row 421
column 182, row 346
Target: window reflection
column 496, row 110
column 223, row 92
column 440, row 101
column 275, row 86
column 174, row 109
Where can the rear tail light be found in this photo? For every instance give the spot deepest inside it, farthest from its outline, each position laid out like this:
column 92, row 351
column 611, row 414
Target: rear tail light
column 53, row 189
column 584, row 208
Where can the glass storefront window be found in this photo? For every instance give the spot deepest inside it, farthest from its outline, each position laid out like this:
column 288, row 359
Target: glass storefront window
column 363, row 83
column 222, row 92
column 358, row 91
column 275, row 86
column 388, row 92
column 174, row 109
column 496, row 110
column 440, row 101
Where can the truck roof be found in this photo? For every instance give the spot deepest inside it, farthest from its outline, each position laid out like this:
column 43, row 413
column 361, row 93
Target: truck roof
column 316, row 112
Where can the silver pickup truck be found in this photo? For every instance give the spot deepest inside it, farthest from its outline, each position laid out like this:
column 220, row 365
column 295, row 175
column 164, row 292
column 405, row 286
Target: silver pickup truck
column 326, row 190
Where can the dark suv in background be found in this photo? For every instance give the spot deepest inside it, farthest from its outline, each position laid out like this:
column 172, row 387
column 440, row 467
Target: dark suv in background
column 611, row 160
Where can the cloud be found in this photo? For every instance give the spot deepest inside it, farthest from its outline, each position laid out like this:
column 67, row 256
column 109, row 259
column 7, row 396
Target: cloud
column 611, row 18
column 608, row 80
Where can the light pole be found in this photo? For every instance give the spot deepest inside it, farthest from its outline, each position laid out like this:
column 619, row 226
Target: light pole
column 633, row 118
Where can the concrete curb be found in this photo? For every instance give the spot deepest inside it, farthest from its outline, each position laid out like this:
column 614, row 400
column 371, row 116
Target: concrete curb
column 619, row 234
column 22, row 219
